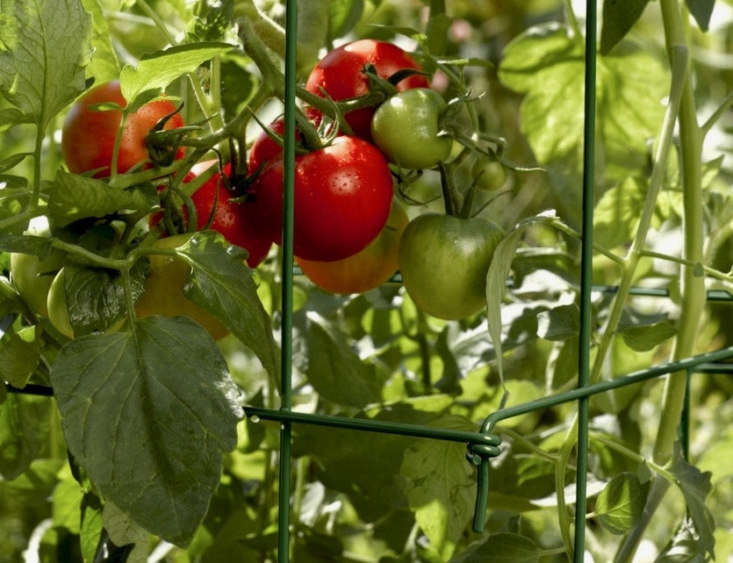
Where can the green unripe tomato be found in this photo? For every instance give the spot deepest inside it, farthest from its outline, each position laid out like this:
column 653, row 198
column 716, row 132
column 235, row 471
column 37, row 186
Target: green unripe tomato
column 32, row 277
column 444, row 261
column 405, row 128
column 58, row 312
column 491, row 175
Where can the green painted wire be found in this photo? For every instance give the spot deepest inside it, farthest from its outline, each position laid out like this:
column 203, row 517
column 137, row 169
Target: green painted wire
column 283, row 521
column 586, row 279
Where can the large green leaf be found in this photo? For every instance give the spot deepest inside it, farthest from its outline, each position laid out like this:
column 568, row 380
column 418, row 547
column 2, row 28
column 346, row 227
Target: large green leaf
column 74, row 197
column 441, row 486
column 20, row 353
column 158, row 70
column 148, row 415
column 621, row 502
column 336, row 371
column 547, row 65
column 23, row 432
column 43, row 47
column 221, row 282
column 103, row 65
column 501, row 548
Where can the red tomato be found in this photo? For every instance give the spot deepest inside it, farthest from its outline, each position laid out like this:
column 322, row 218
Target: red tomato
column 265, row 149
column 340, row 74
column 89, row 135
column 343, row 194
column 238, row 222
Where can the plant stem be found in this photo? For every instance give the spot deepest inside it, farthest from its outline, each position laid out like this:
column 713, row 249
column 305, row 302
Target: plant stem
column 572, row 19
column 712, row 272
column 632, row 455
column 717, row 114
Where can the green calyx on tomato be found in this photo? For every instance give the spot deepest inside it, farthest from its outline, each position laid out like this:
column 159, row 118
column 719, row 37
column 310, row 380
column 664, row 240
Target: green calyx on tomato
column 88, row 136
column 444, row 261
column 406, row 127
column 343, row 194
column 32, row 277
column 164, row 290
column 365, row 270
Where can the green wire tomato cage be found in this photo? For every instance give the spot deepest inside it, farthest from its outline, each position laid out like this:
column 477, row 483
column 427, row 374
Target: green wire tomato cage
column 482, row 445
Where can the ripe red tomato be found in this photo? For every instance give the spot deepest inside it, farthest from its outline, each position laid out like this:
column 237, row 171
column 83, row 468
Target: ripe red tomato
column 343, row 194
column 238, row 222
column 265, row 149
column 366, row 269
column 340, row 74
column 88, row 135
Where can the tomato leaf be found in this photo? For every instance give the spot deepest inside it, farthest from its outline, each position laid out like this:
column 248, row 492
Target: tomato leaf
column 501, row 263
column 343, row 16
column 74, row 197
column 37, row 79
column 684, row 546
column 149, row 415
column 103, row 65
column 621, row 502
column 23, row 432
column 221, row 282
column 20, row 353
column 548, row 66
column 95, row 297
column 335, row 370
column 701, row 10
column 159, row 69
column 12, row 116
column 441, row 486
column 91, row 526
column 124, row 532
column 66, row 504
column 26, row 244
column 695, row 486
column 619, row 16
column 503, row 547
column 13, row 160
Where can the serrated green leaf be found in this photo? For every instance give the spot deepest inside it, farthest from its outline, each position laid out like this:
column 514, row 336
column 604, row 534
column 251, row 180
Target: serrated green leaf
column 123, row 531
column 158, row 70
column 701, row 10
column 20, row 355
column 441, row 487
column 211, row 21
column 103, row 65
column 149, row 416
column 621, row 502
column 336, row 371
column 221, row 282
column 74, row 197
column 12, row 116
column 684, row 547
column 501, row 548
column 616, row 214
column 36, row 76
column 695, row 486
column 548, row 66
column 23, row 432
column 27, row 244
column 619, row 16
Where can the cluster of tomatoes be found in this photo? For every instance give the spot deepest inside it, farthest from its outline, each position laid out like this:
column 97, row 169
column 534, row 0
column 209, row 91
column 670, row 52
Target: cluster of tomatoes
column 350, row 235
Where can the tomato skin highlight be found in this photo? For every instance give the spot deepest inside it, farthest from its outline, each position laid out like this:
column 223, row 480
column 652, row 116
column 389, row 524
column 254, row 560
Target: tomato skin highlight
column 88, row 136
column 405, row 128
column 343, row 194
column 368, row 268
column 444, row 261
column 164, row 290
column 340, row 74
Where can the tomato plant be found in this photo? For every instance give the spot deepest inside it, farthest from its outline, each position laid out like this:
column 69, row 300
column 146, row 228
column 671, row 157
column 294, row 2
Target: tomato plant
column 444, row 261
column 340, row 74
column 343, row 194
column 368, row 268
column 89, row 132
column 406, row 128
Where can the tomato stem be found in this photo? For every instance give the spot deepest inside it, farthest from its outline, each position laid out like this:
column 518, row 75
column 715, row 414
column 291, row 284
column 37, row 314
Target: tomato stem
column 445, row 185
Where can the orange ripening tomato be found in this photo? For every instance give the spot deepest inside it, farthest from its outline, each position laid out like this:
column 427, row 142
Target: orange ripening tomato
column 365, row 270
